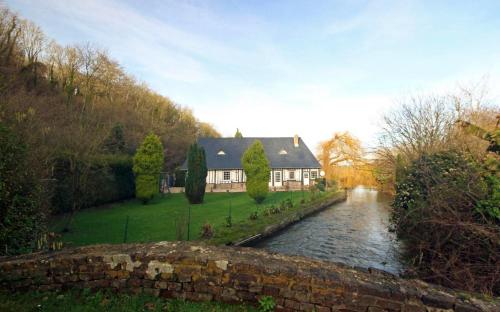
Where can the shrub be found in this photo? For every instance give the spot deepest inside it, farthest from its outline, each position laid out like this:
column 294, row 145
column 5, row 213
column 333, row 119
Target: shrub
column 229, row 221
column 490, row 207
column 266, row 304
column 22, row 220
column 256, row 167
column 321, row 184
column 207, row 231
column 196, row 179
column 254, row 215
column 436, row 212
column 267, row 212
column 148, row 162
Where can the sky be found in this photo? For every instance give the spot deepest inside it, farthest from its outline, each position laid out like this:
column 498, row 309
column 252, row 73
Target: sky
column 279, row 68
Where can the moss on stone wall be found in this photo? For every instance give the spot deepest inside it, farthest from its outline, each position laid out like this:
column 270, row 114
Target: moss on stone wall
column 229, row 274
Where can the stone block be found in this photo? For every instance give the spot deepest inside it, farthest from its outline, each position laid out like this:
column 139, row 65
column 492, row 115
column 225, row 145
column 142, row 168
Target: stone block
column 292, row 304
column 465, row 307
column 271, row 291
column 309, row 307
column 322, row 309
column 414, row 308
column 174, row 286
column 438, row 301
column 161, row 285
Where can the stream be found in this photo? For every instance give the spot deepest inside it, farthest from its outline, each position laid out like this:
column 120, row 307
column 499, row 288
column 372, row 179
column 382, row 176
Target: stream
column 354, row 232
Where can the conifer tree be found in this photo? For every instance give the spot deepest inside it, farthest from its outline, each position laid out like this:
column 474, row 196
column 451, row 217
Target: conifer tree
column 196, row 174
column 148, row 163
column 256, row 166
column 115, row 143
column 238, row 134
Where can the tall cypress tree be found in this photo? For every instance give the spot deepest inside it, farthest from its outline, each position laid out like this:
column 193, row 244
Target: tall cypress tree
column 196, row 179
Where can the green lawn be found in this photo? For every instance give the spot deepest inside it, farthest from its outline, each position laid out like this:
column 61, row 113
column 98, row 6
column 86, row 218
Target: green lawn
column 105, row 301
column 157, row 220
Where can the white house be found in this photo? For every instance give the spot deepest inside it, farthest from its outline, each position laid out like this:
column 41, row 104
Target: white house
column 292, row 163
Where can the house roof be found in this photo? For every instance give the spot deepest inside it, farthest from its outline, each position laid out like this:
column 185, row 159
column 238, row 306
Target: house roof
column 233, row 149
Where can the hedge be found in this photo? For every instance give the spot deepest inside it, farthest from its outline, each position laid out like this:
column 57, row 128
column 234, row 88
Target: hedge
column 109, row 178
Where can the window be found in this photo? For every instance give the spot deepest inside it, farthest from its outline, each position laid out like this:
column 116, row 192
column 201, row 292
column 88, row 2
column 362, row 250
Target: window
column 314, row 174
column 291, row 175
column 277, row 177
column 227, row 175
column 221, row 152
column 283, row 152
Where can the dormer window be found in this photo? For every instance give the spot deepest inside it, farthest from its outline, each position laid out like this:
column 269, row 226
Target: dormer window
column 221, row 152
column 283, row 152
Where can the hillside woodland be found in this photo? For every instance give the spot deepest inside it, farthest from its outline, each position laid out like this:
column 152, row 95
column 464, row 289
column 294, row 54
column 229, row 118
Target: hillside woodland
column 74, row 118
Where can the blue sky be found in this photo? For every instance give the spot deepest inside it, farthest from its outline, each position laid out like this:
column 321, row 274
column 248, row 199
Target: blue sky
column 276, row 68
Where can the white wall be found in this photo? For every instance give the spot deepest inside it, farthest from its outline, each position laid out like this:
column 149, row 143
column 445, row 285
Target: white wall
column 214, row 176
column 239, row 175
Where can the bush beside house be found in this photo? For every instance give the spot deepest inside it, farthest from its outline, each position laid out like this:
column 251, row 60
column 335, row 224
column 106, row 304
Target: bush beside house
column 256, row 167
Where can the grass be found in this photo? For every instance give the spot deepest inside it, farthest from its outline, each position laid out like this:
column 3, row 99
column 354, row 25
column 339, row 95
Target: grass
column 247, row 228
column 74, row 301
column 158, row 221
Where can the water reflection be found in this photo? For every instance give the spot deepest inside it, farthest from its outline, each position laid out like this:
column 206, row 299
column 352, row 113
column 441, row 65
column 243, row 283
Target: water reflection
column 354, row 232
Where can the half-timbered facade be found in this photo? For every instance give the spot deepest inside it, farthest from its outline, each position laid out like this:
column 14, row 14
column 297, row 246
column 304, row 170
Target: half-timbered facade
column 292, row 163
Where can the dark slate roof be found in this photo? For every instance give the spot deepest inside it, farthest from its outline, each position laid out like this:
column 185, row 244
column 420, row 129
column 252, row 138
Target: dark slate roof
column 296, row 157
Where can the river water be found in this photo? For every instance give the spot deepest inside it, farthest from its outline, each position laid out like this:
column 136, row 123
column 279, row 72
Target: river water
column 354, row 232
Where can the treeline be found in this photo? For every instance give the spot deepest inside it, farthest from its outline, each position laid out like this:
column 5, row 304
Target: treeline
column 81, row 117
column 345, row 162
column 440, row 156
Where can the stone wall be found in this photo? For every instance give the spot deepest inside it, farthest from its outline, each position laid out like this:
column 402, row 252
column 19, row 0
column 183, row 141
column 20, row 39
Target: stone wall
column 229, row 274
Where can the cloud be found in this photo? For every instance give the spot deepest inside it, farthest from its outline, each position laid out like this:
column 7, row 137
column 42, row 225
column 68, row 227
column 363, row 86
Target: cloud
column 170, row 47
column 378, row 20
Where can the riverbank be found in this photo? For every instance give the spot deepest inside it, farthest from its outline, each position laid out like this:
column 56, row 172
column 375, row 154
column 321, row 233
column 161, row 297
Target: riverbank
column 164, row 219
column 266, row 223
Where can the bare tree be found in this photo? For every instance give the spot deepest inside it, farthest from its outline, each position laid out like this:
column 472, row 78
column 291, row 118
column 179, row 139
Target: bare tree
column 421, row 124
column 91, row 61
column 9, row 33
column 32, row 41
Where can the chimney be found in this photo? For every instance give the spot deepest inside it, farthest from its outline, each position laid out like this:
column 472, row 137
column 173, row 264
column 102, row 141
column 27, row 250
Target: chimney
column 296, row 140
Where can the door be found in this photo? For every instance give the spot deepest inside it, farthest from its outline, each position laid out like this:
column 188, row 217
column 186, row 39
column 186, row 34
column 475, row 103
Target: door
column 277, row 178
column 306, row 178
